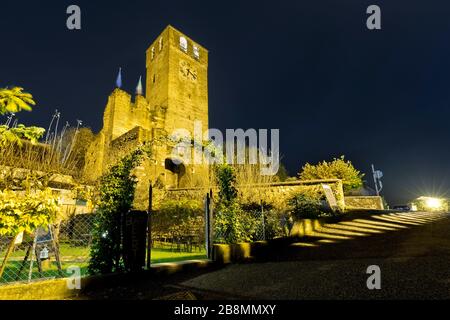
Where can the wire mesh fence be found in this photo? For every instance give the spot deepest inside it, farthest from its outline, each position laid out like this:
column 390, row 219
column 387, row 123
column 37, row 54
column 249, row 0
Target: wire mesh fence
column 261, row 224
column 177, row 236
column 178, row 232
column 48, row 253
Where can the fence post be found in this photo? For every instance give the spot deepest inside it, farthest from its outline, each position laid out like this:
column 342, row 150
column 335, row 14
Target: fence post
column 149, row 225
column 263, row 222
column 33, row 253
column 211, row 217
column 208, row 225
column 7, row 254
column 211, row 223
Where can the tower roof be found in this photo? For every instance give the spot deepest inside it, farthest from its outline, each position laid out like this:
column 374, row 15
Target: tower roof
column 119, row 79
column 139, row 89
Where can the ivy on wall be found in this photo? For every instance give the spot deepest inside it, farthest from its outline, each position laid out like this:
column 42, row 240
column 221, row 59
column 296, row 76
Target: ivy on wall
column 116, row 190
column 231, row 223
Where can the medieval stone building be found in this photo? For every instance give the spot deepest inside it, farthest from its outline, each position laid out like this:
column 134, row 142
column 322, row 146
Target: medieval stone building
column 176, row 96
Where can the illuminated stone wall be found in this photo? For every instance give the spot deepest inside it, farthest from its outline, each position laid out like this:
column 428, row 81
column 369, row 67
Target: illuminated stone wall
column 276, row 194
column 176, row 96
column 364, row 202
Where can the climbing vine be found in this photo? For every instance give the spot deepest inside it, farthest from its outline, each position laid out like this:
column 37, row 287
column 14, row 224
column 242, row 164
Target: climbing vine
column 116, row 190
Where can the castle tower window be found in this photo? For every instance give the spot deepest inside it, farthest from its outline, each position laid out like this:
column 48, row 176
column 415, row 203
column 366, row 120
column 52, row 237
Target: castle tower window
column 160, row 43
column 153, row 53
column 196, row 53
column 183, row 44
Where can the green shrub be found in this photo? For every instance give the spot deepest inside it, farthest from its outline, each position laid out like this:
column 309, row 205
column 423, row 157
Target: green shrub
column 339, row 168
column 275, row 220
column 117, row 189
column 306, row 206
column 231, row 223
column 178, row 216
column 226, row 181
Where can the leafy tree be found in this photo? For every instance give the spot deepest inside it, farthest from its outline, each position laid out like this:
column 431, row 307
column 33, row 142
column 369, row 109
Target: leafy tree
column 31, row 204
column 15, row 134
column 339, row 168
column 14, row 100
column 117, row 188
column 11, row 101
column 25, row 211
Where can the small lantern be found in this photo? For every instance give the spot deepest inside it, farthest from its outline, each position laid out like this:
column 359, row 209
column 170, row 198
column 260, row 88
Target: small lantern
column 43, row 255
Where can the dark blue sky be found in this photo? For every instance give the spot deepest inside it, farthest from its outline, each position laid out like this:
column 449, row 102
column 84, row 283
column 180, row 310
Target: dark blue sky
column 309, row 68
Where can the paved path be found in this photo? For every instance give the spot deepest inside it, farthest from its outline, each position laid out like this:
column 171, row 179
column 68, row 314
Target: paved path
column 412, row 250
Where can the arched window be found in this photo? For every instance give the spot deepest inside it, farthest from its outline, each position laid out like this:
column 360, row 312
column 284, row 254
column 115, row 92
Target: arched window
column 196, row 53
column 183, row 44
column 175, row 166
column 160, row 43
column 153, row 53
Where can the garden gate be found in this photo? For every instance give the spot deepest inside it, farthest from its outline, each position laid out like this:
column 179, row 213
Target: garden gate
column 179, row 230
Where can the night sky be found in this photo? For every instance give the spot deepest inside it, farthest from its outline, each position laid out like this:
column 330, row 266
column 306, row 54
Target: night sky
column 310, row 68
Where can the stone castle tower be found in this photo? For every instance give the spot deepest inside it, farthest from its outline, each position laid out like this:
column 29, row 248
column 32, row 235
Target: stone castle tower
column 176, row 96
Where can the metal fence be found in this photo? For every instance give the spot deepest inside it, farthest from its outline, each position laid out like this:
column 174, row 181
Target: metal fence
column 177, row 237
column 261, row 225
column 56, row 251
column 48, row 253
column 178, row 232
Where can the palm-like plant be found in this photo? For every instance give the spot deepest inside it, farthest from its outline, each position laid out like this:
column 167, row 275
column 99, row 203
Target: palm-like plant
column 15, row 100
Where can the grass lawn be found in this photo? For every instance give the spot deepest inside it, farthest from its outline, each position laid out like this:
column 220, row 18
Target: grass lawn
column 79, row 256
column 160, row 255
column 49, row 271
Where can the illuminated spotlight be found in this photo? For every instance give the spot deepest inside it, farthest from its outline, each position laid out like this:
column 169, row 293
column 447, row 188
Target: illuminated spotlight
column 431, row 204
